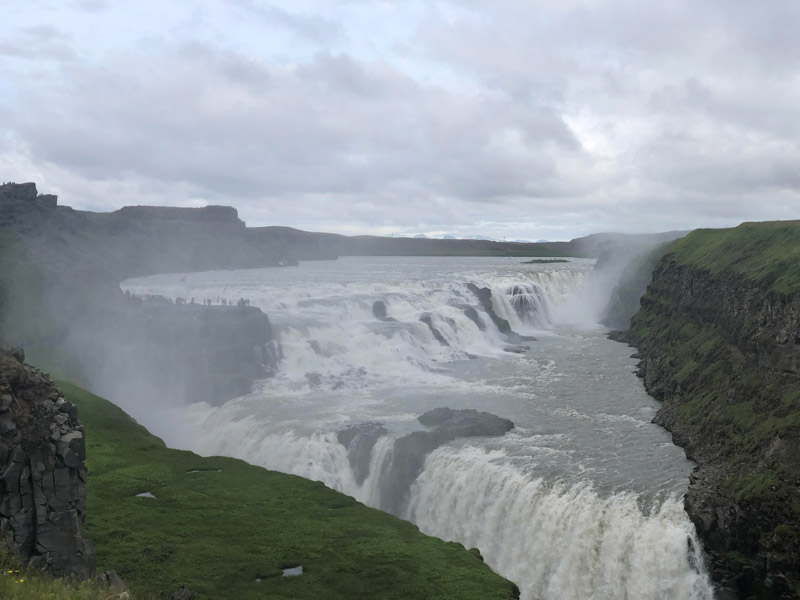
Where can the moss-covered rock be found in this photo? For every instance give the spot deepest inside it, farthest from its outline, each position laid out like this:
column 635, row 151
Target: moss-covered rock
column 719, row 335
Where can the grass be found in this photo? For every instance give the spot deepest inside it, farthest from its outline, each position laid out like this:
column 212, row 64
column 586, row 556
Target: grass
column 767, row 253
column 218, row 530
column 19, row 583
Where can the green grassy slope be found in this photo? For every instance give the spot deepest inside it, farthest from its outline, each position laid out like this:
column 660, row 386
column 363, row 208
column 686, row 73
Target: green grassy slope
column 767, row 253
column 219, row 529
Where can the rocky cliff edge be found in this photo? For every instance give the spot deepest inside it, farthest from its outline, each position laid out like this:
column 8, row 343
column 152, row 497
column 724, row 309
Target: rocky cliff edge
column 43, row 477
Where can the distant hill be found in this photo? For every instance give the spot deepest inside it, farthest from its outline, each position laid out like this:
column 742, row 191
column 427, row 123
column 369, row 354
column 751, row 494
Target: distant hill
column 138, row 240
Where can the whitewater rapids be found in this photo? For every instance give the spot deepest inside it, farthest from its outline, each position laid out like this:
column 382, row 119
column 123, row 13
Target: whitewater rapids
column 581, row 500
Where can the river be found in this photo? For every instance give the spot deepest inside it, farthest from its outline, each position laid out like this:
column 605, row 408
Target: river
column 582, row 500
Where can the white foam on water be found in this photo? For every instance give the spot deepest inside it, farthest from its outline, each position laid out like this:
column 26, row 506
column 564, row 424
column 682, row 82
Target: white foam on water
column 556, row 540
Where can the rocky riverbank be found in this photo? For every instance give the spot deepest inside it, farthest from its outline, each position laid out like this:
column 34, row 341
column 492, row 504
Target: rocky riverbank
column 718, row 334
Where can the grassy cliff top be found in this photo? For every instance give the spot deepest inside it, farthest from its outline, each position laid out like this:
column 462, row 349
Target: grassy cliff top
column 218, row 525
column 767, row 252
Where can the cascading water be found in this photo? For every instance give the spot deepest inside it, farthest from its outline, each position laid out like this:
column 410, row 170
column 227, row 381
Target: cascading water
column 580, row 500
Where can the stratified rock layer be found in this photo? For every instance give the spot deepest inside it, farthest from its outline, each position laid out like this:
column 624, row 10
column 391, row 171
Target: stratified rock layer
column 43, row 477
column 719, row 340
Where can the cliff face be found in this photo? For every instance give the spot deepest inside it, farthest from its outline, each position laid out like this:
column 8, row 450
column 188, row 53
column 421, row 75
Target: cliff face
column 42, row 486
column 151, row 350
column 719, row 338
column 60, row 298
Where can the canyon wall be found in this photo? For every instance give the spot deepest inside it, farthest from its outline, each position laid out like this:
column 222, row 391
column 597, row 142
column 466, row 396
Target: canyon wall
column 718, row 334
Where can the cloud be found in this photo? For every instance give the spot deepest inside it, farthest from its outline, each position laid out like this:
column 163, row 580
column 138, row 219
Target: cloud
column 533, row 119
column 332, row 126
column 41, row 42
column 310, row 27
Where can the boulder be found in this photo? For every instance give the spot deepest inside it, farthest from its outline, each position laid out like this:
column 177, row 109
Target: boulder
column 113, row 581
column 379, row 309
column 183, row 593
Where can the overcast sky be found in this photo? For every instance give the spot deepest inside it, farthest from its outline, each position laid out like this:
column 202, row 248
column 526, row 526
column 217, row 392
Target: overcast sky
column 522, row 119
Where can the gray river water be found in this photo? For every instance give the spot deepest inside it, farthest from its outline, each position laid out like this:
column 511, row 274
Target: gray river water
column 581, row 500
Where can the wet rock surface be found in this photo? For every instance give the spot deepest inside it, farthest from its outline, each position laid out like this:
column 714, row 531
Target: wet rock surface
column 42, row 473
column 379, row 309
column 405, row 461
column 407, row 457
column 484, row 296
column 360, row 440
column 427, row 319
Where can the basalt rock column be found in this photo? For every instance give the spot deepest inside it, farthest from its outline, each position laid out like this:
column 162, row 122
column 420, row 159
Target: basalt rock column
column 42, row 474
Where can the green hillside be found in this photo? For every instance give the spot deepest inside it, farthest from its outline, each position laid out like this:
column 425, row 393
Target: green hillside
column 767, row 253
column 218, row 525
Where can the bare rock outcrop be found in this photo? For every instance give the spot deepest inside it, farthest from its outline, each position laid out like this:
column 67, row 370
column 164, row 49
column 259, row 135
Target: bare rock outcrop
column 42, row 473
column 406, row 460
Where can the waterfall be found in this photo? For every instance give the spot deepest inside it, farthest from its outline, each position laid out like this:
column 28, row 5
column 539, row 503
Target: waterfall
column 330, row 338
column 559, row 541
column 380, row 341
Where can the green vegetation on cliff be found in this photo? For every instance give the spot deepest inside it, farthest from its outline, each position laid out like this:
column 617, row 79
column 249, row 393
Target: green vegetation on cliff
column 719, row 334
column 765, row 253
column 226, row 529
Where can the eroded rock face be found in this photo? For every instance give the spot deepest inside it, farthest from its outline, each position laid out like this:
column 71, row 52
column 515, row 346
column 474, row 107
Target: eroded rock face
column 42, row 474
column 407, row 458
column 142, row 349
column 379, row 309
column 743, row 494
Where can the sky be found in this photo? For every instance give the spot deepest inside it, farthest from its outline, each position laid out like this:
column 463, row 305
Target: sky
column 515, row 119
